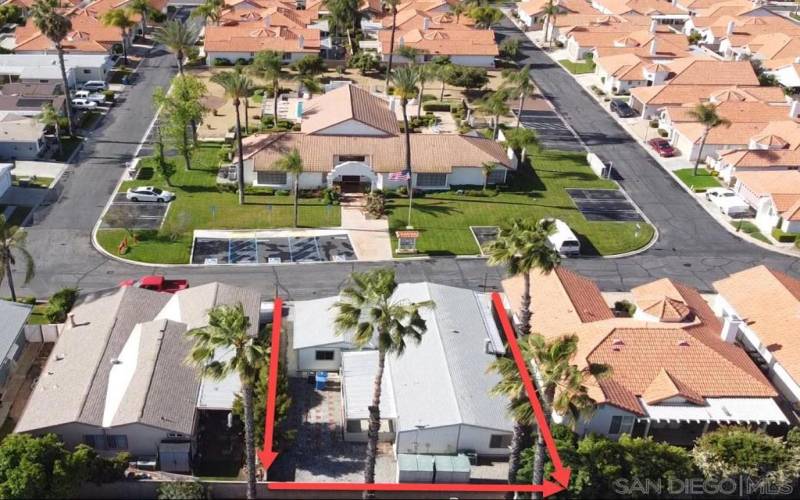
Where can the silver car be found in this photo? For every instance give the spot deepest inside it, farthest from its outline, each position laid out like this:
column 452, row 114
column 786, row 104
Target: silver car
column 149, row 193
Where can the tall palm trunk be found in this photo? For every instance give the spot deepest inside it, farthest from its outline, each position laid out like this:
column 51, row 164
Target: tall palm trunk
column 521, row 105
column 538, row 458
column 419, row 98
column 246, row 116
column 144, row 25
column 391, row 48
column 700, row 152
column 408, row 160
column 249, row 440
column 496, row 127
column 179, row 57
column 441, row 92
column 275, row 90
column 10, row 277
column 525, row 314
column 125, row 45
column 374, row 424
column 520, row 435
column 67, row 104
column 296, row 182
column 58, row 136
column 240, row 163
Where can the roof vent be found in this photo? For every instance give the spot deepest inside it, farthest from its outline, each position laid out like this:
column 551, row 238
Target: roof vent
column 59, row 357
column 683, row 343
column 115, row 361
column 617, row 342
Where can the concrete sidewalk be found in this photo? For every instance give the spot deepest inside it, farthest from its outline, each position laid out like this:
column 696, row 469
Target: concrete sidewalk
column 370, row 237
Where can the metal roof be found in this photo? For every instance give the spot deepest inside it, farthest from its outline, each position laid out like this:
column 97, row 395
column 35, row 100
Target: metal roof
column 14, row 318
column 358, row 379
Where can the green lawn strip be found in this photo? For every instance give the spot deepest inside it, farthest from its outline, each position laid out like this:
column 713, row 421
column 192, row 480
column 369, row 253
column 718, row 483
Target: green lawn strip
column 750, row 229
column 700, row 182
column 37, row 316
column 39, row 182
column 199, row 204
column 444, row 219
column 578, row 68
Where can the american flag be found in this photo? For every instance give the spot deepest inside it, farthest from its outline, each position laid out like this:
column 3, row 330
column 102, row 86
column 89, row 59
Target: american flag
column 400, row 176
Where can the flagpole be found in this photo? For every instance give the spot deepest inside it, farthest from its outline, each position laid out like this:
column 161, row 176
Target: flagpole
column 410, row 197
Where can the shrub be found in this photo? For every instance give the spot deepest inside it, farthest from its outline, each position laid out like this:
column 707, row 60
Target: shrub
column 60, row 304
column 784, row 237
column 329, row 196
column 182, row 490
column 376, row 204
column 653, row 123
column 221, row 61
column 509, row 48
column 436, row 106
column 109, row 95
column 402, row 191
column 466, row 77
column 309, row 65
column 282, row 192
column 243, row 62
column 663, row 133
column 624, row 308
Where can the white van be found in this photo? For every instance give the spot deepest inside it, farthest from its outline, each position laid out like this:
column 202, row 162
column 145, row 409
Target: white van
column 95, row 85
column 563, row 240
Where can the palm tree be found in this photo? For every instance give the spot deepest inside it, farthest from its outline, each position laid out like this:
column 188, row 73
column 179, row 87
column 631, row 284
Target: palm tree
column 367, row 310
column 559, row 384
column 228, row 331
column 143, row 8
column 120, row 18
column 52, row 118
column 392, row 5
column 519, row 82
column 488, row 167
column 521, row 248
column 707, row 116
column 551, row 11
column 237, row 86
column 496, row 105
column 292, row 164
column 178, row 38
column 269, row 65
column 209, row 10
column 55, row 27
column 344, row 18
column 440, row 68
column 485, row 17
column 457, row 10
column 405, row 87
column 12, row 240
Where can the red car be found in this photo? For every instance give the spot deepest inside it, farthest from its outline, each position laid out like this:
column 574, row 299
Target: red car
column 662, row 147
column 157, row 283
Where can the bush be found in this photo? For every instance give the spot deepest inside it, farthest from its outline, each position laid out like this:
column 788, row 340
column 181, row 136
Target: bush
column 624, row 308
column 784, row 237
column 243, row 62
column 402, row 191
column 182, row 490
column 466, row 77
column 436, row 106
column 60, row 304
column 221, row 61
column 329, row 196
column 663, row 133
column 309, row 65
column 282, row 192
column 109, row 95
column 104, row 470
column 375, row 206
column 653, row 123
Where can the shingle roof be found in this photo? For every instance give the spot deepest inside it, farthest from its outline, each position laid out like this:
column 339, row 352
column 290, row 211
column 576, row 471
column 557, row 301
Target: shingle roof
column 349, row 102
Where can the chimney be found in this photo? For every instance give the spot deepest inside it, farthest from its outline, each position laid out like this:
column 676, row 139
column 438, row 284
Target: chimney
column 301, row 41
column 71, row 318
column 653, row 26
column 425, row 23
column 267, row 21
column 653, row 50
column 794, row 109
column 729, row 30
column 392, row 103
column 730, row 327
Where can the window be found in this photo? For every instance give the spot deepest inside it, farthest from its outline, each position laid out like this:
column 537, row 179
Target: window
column 354, row 426
column 498, row 176
column 431, row 180
column 324, row 355
column 500, row 441
column 621, row 425
column 87, row 72
column 345, row 158
column 117, row 441
column 272, row 178
column 94, row 441
column 286, row 56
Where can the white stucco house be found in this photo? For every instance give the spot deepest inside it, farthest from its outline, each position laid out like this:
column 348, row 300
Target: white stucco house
column 350, row 139
column 461, row 340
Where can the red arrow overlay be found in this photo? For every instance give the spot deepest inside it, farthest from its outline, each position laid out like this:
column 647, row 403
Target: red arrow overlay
column 266, row 455
column 561, row 475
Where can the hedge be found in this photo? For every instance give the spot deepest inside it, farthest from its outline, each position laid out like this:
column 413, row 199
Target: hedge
column 783, row 237
column 436, row 106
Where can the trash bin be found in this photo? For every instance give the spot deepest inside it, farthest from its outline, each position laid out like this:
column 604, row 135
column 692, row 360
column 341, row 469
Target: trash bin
column 321, row 379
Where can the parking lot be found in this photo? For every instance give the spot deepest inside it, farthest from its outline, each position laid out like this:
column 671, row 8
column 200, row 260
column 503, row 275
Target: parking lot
column 551, row 130
column 273, row 250
column 604, row 205
column 124, row 214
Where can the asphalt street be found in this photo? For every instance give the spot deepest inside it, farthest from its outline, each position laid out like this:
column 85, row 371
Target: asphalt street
column 691, row 247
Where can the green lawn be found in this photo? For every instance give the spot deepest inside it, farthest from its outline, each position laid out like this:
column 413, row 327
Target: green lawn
column 39, row 182
column 700, row 182
column 444, row 218
column 579, row 68
column 37, row 316
column 750, row 229
column 201, row 205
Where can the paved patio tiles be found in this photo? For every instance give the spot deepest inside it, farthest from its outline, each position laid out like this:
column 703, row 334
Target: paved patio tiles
column 370, row 237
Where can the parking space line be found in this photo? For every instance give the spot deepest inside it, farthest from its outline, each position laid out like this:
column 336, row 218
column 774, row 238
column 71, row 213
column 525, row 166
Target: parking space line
column 291, row 253
column 319, row 253
column 255, row 243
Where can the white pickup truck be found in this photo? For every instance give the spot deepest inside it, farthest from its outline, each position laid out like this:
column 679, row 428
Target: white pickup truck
column 90, row 96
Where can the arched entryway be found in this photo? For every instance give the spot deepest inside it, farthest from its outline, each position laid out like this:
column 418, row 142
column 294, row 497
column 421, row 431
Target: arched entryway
column 352, row 177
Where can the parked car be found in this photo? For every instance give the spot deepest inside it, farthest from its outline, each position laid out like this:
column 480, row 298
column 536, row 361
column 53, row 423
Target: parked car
column 83, row 104
column 95, row 85
column 662, row 147
column 149, row 193
column 157, row 283
column 622, row 109
column 728, row 202
column 563, row 240
column 90, row 96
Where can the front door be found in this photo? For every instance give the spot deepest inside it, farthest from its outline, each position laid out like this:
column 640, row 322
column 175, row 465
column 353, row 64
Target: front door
column 351, row 183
